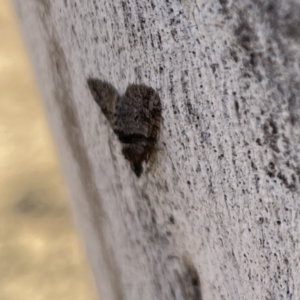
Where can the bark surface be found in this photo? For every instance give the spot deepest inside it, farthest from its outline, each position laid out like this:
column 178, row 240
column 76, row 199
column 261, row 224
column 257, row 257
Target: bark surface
column 215, row 215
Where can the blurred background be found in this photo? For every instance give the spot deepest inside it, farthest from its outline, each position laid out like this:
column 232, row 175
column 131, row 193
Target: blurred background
column 41, row 255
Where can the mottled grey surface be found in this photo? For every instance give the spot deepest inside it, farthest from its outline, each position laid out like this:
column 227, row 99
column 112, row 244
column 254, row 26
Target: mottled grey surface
column 218, row 205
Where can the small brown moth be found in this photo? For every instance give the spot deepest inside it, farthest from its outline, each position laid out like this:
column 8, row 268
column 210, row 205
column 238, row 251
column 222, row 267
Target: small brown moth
column 135, row 118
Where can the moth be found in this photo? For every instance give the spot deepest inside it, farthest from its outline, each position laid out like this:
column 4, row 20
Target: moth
column 135, row 118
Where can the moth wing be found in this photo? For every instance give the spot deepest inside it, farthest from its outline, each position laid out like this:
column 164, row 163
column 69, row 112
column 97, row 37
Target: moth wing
column 106, row 96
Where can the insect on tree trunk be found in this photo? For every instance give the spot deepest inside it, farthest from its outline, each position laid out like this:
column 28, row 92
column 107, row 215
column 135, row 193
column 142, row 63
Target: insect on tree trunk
column 214, row 214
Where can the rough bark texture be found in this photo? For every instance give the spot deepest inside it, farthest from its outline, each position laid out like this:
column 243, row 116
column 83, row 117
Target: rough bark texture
column 216, row 213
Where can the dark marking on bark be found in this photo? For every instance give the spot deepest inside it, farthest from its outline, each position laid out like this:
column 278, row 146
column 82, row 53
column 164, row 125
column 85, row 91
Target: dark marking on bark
column 214, row 67
column 182, row 278
column 234, row 55
column 270, row 130
column 292, row 105
column 237, row 109
column 253, row 59
column 172, row 220
column 245, row 34
column 224, row 8
column 294, row 100
column 190, row 281
column 289, row 185
column 223, row 2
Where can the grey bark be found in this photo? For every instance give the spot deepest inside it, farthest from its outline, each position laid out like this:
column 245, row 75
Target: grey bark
column 216, row 213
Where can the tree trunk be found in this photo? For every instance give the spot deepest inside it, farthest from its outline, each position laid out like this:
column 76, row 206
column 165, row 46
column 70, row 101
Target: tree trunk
column 215, row 214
